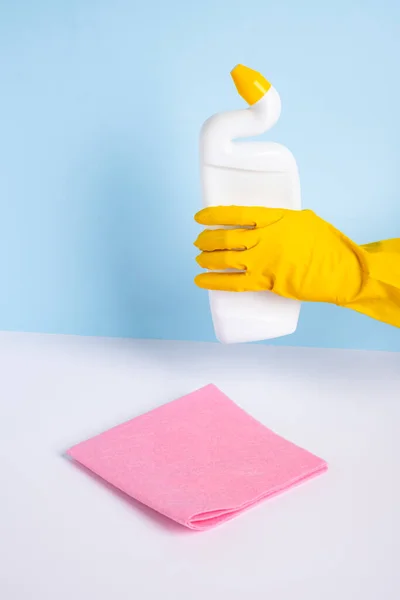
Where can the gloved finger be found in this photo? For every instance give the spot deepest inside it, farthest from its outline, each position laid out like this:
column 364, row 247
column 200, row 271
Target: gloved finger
column 226, row 239
column 227, row 282
column 221, row 260
column 245, row 216
column 231, row 282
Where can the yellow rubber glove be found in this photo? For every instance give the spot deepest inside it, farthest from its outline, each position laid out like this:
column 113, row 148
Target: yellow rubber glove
column 298, row 255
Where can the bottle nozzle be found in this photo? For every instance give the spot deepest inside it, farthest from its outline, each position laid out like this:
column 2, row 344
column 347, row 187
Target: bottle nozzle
column 250, row 84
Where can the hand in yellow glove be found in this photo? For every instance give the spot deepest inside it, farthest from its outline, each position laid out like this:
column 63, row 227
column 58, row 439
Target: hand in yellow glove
column 298, row 255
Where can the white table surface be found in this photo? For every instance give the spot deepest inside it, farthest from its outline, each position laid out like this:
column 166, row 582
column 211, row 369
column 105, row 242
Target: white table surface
column 66, row 536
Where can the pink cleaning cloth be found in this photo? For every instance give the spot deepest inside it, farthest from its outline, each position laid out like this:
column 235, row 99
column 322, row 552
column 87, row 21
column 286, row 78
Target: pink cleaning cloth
column 200, row 460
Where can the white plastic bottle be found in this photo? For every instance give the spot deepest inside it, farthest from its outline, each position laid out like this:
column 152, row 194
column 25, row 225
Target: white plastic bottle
column 249, row 174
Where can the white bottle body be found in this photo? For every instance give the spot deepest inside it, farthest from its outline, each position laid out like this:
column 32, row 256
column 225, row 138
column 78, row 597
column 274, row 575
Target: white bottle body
column 248, row 174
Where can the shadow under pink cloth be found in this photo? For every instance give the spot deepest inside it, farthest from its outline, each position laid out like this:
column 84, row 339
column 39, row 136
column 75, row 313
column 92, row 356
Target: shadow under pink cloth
column 200, row 460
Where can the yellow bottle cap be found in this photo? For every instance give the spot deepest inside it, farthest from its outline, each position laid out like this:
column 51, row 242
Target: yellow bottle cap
column 251, row 85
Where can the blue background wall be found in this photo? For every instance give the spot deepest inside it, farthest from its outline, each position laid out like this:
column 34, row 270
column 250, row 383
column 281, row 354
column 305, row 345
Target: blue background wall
column 101, row 103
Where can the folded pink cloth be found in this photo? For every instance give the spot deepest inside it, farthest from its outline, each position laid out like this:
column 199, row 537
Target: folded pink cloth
column 200, row 460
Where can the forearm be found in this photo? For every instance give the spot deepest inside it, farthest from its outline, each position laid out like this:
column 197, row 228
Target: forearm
column 392, row 245
column 379, row 297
